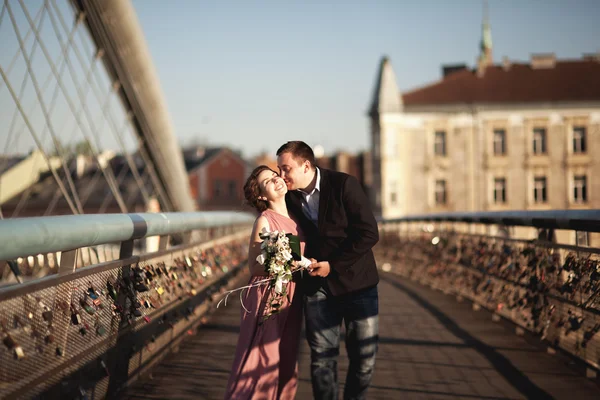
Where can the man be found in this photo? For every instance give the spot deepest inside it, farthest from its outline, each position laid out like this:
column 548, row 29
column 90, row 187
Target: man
column 334, row 214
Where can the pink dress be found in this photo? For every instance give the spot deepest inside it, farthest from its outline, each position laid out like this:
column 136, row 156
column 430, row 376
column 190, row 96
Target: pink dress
column 266, row 357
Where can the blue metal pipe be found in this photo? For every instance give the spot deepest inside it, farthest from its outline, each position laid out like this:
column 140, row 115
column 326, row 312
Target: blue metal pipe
column 21, row 237
column 581, row 220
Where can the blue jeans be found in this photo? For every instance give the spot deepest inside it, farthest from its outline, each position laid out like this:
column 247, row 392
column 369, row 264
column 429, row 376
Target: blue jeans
column 324, row 315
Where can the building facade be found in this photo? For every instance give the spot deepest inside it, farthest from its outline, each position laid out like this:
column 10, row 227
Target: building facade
column 507, row 136
column 358, row 165
column 216, row 176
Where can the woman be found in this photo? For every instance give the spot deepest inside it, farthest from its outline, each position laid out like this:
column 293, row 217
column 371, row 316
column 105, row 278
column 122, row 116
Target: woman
column 265, row 364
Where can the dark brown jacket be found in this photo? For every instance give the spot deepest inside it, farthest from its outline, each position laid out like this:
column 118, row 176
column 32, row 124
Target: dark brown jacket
column 345, row 235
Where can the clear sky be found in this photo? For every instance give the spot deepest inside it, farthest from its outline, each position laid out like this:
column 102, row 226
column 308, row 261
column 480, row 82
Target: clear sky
column 254, row 74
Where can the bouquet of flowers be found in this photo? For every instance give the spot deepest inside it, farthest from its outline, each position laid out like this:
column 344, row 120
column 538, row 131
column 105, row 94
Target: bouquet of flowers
column 280, row 255
column 279, row 251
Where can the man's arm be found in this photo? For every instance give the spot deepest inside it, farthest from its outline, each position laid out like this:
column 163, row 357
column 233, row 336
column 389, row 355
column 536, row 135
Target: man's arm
column 362, row 227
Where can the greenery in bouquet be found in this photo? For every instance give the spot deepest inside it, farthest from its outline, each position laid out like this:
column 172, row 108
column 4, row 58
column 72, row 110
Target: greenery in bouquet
column 280, row 256
column 277, row 256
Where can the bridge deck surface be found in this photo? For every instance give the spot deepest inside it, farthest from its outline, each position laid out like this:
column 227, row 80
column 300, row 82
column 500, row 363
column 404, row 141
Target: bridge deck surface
column 431, row 347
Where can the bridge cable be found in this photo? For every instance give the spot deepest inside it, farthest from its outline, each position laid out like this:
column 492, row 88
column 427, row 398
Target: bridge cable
column 108, row 116
column 76, row 207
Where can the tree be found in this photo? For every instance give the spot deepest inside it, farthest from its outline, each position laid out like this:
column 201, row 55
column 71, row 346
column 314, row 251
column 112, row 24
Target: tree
column 71, row 150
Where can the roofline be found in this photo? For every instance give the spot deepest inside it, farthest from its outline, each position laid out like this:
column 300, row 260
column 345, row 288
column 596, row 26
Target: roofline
column 206, row 160
column 498, row 65
column 471, row 107
column 210, row 159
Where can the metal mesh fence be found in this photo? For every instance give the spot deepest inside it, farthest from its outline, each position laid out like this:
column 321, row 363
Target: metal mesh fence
column 74, row 336
column 550, row 290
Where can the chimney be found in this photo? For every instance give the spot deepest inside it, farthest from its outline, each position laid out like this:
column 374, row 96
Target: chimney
column 505, row 63
column 542, row 61
column 452, row 68
column 592, row 56
column 200, row 151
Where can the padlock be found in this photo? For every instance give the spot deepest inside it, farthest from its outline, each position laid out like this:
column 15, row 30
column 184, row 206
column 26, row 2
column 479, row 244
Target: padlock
column 75, row 317
column 141, row 287
column 49, row 339
column 47, row 315
column 18, row 353
column 35, row 333
column 89, row 309
column 100, row 330
column 63, row 306
column 9, row 342
column 12, row 345
column 92, row 293
column 112, row 292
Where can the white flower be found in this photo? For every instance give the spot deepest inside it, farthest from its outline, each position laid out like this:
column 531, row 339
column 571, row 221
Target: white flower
column 262, row 258
column 276, row 268
column 278, row 286
column 286, row 255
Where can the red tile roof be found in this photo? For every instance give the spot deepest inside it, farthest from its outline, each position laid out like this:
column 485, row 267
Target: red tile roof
column 520, row 83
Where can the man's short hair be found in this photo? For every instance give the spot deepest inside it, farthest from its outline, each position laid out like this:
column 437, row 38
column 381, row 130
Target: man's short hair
column 299, row 150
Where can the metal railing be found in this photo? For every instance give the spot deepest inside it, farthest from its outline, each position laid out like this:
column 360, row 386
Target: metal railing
column 538, row 270
column 91, row 329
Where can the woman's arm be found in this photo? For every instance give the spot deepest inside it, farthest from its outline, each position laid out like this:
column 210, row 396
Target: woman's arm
column 254, row 249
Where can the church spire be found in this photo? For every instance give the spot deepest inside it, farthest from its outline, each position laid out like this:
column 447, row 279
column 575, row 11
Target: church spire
column 485, row 57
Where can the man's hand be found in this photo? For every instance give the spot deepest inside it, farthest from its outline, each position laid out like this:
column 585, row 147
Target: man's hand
column 321, row 269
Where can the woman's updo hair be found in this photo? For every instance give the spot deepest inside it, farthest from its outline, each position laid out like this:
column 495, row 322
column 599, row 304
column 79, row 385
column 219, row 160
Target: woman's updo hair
column 252, row 190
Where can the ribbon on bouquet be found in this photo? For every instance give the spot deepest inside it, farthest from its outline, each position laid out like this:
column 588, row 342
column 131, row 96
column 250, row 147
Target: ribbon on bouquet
column 302, row 264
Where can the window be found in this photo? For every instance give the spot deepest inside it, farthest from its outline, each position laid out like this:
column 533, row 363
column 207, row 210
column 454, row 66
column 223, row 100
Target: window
column 500, row 190
column 499, row 142
column 580, row 189
column 232, row 189
column 582, row 238
column 579, row 136
column 393, row 193
column 218, row 188
column 539, row 141
column 539, row 190
column 440, row 192
column 439, row 146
